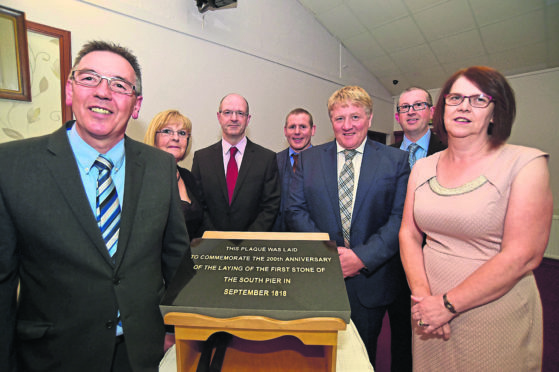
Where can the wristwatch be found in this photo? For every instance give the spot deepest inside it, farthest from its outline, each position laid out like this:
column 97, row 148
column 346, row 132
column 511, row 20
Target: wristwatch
column 448, row 305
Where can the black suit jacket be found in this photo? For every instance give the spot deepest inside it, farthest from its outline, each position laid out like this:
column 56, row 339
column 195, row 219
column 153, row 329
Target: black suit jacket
column 70, row 287
column 285, row 173
column 435, row 144
column 313, row 206
column 256, row 198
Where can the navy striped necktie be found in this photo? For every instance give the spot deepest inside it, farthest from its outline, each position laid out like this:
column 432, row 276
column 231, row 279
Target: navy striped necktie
column 107, row 205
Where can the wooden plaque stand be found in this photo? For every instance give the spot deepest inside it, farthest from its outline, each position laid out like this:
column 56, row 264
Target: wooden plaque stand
column 191, row 330
column 260, row 343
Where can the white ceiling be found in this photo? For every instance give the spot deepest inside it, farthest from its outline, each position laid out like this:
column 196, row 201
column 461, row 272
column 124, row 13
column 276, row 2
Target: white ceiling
column 422, row 42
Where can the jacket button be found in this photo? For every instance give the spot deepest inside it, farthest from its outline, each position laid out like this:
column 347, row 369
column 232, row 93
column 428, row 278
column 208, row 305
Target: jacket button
column 109, row 324
column 116, row 281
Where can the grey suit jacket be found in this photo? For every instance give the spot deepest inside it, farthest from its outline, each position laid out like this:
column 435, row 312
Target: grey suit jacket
column 70, row 287
column 256, row 197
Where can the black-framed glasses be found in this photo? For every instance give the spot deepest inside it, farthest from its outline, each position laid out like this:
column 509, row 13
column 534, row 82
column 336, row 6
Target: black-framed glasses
column 171, row 133
column 91, row 79
column 228, row 113
column 476, row 100
column 418, row 106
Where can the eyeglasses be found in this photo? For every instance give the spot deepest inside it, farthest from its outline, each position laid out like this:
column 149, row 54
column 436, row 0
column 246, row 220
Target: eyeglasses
column 418, row 106
column 228, row 113
column 171, row 133
column 476, row 100
column 88, row 78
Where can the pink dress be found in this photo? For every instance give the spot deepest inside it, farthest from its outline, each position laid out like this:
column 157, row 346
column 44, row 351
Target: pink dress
column 464, row 228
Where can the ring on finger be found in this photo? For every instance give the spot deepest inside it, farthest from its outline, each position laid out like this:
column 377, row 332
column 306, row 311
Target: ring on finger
column 422, row 324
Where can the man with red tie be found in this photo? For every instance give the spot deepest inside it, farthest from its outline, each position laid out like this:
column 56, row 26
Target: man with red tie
column 238, row 179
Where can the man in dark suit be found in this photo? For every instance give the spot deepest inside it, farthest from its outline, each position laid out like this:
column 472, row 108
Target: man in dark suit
column 414, row 112
column 82, row 305
column 354, row 189
column 237, row 178
column 298, row 130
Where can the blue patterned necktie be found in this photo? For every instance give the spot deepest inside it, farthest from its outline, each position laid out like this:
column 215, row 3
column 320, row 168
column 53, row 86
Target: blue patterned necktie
column 107, row 205
column 345, row 194
column 412, row 148
column 108, row 211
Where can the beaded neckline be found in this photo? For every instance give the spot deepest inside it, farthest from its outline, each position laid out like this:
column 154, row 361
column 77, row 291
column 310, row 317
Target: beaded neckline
column 465, row 188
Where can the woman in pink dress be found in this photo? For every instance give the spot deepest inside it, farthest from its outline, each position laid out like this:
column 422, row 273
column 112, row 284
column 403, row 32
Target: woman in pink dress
column 486, row 208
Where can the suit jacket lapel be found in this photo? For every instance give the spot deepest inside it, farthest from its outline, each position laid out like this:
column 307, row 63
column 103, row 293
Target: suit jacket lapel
column 367, row 173
column 248, row 157
column 329, row 160
column 135, row 167
column 216, row 163
column 66, row 175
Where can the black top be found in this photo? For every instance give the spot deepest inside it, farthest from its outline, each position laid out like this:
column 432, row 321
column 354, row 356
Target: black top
column 193, row 212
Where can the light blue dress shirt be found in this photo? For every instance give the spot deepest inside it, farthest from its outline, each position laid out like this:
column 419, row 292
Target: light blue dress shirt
column 423, row 143
column 85, row 157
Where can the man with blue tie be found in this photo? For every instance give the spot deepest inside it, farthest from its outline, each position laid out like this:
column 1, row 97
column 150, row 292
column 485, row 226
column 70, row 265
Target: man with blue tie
column 354, row 189
column 414, row 112
column 91, row 228
column 298, row 130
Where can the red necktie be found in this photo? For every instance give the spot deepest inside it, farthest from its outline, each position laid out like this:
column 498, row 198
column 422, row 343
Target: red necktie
column 295, row 158
column 232, row 173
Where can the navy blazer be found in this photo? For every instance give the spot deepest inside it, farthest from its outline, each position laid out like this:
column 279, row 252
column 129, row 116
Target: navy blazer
column 313, row 206
column 256, row 198
column 285, row 170
column 71, row 288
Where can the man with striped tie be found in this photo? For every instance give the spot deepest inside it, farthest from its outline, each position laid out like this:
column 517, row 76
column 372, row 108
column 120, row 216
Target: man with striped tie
column 354, row 189
column 91, row 228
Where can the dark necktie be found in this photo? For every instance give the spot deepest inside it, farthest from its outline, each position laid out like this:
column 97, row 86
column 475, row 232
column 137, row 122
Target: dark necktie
column 345, row 194
column 412, row 149
column 295, row 159
column 232, row 173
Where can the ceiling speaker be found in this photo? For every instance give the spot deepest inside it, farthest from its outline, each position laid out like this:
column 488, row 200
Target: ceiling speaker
column 204, row 5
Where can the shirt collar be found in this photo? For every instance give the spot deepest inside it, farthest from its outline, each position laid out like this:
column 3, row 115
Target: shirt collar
column 241, row 146
column 359, row 149
column 291, row 151
column 423, row 141
column 86, row 155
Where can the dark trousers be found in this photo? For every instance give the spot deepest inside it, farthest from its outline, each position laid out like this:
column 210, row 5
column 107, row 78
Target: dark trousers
column 121, row 363
column 399, row 314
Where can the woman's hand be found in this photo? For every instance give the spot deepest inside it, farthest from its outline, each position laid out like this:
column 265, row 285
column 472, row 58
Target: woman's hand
column 431, row 315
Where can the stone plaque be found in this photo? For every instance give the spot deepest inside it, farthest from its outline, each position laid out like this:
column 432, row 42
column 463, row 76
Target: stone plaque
column 284, row 280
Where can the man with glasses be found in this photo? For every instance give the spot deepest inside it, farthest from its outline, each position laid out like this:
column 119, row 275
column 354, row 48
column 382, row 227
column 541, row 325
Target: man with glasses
column 92, row 230
column 414, row 112
column 238, row 179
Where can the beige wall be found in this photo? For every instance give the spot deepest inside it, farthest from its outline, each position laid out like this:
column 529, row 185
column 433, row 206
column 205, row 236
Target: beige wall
column 272, row 52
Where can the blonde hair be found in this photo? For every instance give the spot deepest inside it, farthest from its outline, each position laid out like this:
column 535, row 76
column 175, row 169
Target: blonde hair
column 351, row 95
column 160, row 120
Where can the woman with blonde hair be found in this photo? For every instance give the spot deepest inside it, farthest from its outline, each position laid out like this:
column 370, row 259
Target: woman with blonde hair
column 170, row 131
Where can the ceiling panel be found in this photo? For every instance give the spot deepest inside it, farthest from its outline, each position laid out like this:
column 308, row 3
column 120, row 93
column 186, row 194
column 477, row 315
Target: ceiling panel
column 342, row 20
column 397, row 35
column 445, row 19
column 422, row 42
column 458, row 47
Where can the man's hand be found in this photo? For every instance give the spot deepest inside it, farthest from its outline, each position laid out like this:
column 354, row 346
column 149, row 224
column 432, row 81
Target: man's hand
column 351, row 264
